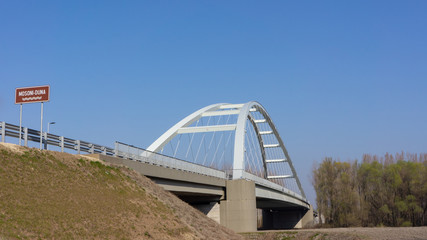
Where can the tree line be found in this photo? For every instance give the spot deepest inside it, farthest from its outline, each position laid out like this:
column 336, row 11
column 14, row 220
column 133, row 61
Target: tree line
column 378, row 191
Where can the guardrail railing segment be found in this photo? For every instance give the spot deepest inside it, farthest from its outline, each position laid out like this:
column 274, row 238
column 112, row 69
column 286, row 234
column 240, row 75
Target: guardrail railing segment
column 28, row 134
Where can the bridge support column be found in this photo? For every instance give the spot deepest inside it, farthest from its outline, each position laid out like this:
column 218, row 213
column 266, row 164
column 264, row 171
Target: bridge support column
column 238, row 212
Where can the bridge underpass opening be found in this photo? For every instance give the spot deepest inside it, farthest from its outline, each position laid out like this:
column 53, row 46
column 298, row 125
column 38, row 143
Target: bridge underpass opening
column 275, row 214
column 206, row 198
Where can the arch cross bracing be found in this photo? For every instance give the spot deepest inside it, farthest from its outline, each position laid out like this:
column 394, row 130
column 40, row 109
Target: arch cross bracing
column 240, row 139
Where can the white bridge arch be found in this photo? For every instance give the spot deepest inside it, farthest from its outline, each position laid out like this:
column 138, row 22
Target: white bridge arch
column 257, row 149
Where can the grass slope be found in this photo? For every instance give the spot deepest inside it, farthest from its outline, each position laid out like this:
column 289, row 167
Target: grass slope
column 46, row 194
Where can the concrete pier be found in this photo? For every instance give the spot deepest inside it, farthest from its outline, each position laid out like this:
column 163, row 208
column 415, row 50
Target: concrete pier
column 238, row 211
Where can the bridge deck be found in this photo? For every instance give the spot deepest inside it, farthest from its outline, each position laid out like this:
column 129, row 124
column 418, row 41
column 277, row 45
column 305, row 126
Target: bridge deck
column 189, row 185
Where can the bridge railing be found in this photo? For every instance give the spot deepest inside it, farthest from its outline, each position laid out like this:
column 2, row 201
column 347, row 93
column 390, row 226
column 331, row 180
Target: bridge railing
column 141, row 155
column 272, row 185
column 28, row 134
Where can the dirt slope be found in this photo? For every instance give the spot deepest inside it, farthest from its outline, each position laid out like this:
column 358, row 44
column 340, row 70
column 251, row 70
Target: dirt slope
column 58, row 195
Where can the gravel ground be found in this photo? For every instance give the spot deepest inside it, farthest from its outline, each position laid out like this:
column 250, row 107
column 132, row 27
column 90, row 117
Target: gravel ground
column 380, row 233
column 343, row 233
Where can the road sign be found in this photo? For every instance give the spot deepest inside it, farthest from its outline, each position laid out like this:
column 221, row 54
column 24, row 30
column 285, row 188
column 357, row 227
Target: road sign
column 32, row 94
column 39, row 94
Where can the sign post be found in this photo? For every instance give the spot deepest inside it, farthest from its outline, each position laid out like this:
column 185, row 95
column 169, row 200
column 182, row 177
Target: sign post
column 41, row 128
column 20, row 124
column 32, row 95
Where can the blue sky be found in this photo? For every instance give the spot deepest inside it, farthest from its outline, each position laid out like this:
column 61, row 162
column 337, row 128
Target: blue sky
column 338, row 78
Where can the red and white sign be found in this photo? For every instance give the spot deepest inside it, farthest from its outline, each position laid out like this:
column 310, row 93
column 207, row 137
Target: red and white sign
column 32, row 94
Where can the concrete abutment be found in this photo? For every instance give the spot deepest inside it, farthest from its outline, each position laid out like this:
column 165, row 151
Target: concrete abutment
column 232, row 203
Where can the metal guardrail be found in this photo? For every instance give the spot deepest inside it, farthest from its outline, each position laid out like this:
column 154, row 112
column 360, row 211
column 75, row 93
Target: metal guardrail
column 141, row 155
column 28, row 134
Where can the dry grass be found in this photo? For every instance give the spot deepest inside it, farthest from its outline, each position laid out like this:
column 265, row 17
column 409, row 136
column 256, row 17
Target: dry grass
column 389, row 233
column 45, row 194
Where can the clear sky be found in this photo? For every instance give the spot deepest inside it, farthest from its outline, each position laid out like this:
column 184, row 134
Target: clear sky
column 338, row 78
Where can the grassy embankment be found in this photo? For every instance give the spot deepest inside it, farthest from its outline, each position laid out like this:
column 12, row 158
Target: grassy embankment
column 45, row 194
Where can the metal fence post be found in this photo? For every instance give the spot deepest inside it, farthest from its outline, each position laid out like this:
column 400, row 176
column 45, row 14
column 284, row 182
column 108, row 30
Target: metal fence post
column 116, row 149
column 78, row 146
column 26, row 136
column 3, row 131
column 92, row 148
column 62, row 143
column 45, row 140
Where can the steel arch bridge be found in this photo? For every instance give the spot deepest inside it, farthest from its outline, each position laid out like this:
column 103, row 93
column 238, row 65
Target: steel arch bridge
column 240, row 139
